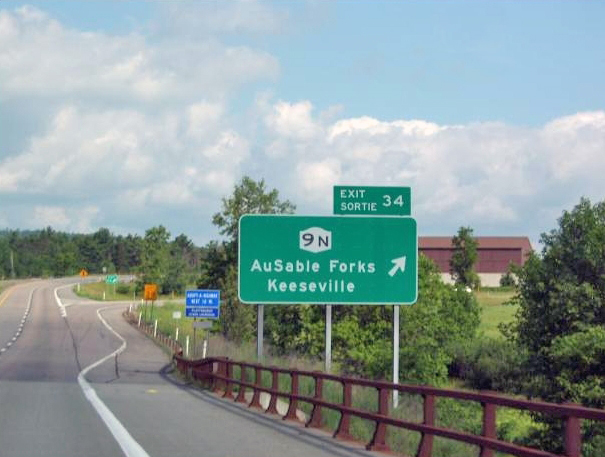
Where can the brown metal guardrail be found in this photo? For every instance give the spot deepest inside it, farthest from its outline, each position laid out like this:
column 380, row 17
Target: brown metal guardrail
column 219, row 373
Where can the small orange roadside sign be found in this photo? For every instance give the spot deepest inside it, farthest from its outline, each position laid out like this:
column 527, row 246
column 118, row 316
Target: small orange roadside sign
column 150, row 292
column 83, row 273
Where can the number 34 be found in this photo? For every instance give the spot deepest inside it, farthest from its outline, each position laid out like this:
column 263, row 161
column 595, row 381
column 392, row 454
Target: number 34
column 388, row 201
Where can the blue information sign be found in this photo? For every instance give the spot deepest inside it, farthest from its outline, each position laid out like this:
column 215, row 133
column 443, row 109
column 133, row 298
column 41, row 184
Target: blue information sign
column 202, row 303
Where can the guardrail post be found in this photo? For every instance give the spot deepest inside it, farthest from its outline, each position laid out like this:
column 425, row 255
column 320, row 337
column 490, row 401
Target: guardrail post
column 272, row 408
column 255, row 403
column 378, row 442
column 315, row 420
column 291, row 414
column 241, row 395
column 228, row 385
column 573, row 437
column 489, row 427
column 342, row 432
column 425, row 448
column 220, row 370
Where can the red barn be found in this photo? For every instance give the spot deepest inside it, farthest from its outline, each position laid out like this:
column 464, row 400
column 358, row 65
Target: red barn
column 494, row 254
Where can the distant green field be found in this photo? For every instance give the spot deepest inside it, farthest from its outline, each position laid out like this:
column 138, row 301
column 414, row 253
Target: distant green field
column 115, row 292
column 494, row 311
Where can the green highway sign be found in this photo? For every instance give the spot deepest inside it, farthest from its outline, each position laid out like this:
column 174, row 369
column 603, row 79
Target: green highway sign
column 111, row 279
column 327, row 260
column 372, row 201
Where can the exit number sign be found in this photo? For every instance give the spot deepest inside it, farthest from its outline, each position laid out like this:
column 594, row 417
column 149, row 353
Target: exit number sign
column 372, row 201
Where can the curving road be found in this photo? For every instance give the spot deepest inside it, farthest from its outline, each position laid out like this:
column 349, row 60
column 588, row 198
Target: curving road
column 67, row 390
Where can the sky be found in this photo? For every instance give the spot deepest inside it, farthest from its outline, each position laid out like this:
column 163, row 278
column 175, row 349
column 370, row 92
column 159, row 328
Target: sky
column 132, row 114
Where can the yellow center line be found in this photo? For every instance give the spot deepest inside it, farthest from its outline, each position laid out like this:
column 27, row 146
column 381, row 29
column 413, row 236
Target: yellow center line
column 9, row 291
column 5, row 295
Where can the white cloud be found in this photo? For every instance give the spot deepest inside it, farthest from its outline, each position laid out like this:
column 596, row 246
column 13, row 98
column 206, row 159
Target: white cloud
column 203, row 18
column 92, row 153
column 293, row 120
column 78, row 220
column 39, row 56
column 370, row 126
column 52, row 216
column 316, row 179
column 578, row 142
column 483, row 174
column 204, row 117
column 84, row 219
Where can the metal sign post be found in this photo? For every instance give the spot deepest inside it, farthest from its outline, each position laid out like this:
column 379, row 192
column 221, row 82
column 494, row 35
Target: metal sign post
column 328, row 338
column 260, row 324
column 395, row 354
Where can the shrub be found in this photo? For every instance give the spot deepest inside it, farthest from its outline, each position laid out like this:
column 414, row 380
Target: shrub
column 508, row 280
column 123, row 289
column 489, row 364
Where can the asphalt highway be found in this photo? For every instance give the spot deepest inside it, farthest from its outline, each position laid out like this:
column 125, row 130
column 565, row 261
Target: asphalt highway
column 77, row 380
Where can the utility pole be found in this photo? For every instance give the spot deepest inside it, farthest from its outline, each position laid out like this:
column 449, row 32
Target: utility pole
column 12, row 265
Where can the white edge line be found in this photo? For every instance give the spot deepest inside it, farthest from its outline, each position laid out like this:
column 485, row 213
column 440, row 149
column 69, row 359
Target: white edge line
column 129, row 445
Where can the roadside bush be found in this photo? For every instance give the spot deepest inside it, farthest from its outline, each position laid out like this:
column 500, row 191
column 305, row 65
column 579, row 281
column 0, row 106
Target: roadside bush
column 508, row 280
column 489, row 364
column 123, row 289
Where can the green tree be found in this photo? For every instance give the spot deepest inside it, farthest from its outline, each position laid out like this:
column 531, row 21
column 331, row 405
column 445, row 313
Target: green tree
column 464, row 257
column 249, row 197
column 183, row 258
column 184, row 248
column 214, row 264
column 443, row 318
column 103, row 241
column 65, row 261
column 155, row 256
column 126, row 253
column 561, row 317
column 237, row 319
column 5, row 253
column 175, row 279
column 220, row 266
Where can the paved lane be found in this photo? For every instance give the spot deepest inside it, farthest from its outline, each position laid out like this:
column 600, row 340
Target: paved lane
column 45, row 413
column 13, row 312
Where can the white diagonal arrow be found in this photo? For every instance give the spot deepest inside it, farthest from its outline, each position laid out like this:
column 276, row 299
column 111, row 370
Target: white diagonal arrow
column 398, row 264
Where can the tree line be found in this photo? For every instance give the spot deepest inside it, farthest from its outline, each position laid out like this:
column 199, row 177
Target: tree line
column 172, row 263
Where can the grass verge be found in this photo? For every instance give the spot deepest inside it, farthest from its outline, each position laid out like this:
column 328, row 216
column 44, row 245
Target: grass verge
column 495, row 310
